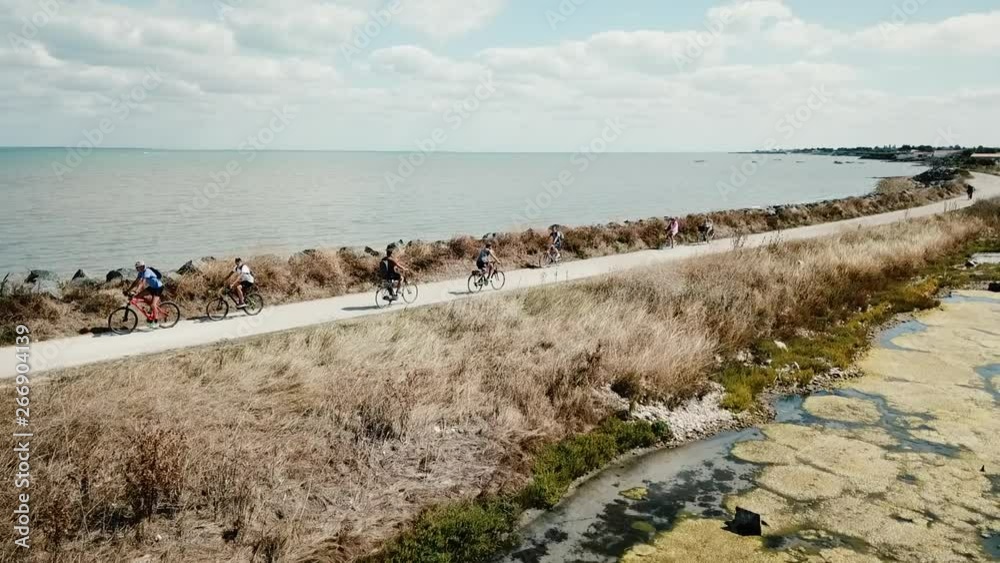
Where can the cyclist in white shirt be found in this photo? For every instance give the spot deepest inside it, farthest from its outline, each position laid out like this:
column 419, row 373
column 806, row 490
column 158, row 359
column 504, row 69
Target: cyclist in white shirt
column 243, row 283
column 556, row 240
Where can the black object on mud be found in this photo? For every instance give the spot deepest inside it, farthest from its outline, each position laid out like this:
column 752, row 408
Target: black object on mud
column 746, row 523
column 994, row 287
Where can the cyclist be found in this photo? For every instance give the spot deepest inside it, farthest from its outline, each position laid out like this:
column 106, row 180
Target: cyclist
column 243, row 283
column 969, row 189
column 556, row 239
column 707, row 229
column 486, row 259
column 393, row 273
column 673, row 227
column 151, row 290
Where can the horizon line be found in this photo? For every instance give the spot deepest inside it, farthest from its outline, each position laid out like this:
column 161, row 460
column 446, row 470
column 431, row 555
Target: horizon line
column 408, row 151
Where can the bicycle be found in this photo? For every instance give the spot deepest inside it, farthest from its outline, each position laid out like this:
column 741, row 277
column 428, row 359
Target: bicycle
column 478, row 280
column 387, row 293
column 549, row 258
column 124, row 319
column 219, row 308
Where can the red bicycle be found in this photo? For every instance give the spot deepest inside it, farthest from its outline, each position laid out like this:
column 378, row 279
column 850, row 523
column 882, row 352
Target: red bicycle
column 125, row 319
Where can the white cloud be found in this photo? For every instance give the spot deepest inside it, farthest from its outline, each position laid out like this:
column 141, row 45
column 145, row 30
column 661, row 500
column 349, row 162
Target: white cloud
column 728, row 82
column 446, row 19
column 750, row 15
column 566, row 60
column 974, row 34
column 812, row 38
column 658, row 50
column 295, row 26
column 418, row 62
column 970, row 34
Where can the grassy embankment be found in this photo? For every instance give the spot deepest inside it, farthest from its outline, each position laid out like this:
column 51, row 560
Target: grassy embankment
column 322, row 444
column 84, row 307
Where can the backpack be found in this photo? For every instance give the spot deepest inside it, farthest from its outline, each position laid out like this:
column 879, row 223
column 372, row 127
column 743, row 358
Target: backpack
column 383, row 268
column 156, row 273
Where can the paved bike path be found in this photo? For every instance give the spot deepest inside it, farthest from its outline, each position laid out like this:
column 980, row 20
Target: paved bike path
column 82, row 350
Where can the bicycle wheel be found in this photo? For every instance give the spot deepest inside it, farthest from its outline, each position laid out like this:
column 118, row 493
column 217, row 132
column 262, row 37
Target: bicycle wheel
column 383, row 297
column 123, row 321
column 545, row 261
column 170, row 315
column 254, row 304
column 218, row 309
column 497, row 280
column 409, row 292
column 475, row 283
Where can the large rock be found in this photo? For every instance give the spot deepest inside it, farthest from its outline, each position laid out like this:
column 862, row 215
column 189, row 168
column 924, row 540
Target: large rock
column 45, row 282
column 41, row 275
column 12, row 282
column 299, row 256
column 48, row 287
column 121, row 274
column 936, row 175
column 172, row 279
column 986, row 258
column 193, row 266
column 80, row 278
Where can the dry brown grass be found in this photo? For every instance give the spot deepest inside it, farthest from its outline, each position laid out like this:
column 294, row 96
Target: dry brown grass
column 895, row 185
column 326, row 273
column 315, row 445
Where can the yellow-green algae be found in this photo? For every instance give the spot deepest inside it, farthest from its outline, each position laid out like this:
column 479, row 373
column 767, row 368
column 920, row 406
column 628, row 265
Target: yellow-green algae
column 802, row 482
column 845, row 409
column 706, row 540
column 635, row 493
column 859, row 483
column 703, row 540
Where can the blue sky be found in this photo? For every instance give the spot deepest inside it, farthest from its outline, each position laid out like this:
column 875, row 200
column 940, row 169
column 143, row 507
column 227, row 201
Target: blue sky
column 498, row 75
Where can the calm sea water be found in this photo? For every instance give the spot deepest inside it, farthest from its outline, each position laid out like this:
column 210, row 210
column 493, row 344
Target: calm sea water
column 166, row 207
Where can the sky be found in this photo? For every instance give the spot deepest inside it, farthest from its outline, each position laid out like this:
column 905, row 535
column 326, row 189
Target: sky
column 498, row 75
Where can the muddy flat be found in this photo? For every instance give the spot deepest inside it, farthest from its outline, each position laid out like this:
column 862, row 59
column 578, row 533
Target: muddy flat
column 901, row 465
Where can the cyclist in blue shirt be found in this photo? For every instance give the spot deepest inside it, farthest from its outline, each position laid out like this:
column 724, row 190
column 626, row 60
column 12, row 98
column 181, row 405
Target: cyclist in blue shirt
column 150, row 288
column 486, row 259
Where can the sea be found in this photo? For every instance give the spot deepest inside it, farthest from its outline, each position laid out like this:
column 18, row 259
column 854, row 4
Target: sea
column 64, row 210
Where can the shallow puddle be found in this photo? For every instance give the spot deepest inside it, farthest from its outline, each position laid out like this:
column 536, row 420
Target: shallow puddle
column 888, row 338
column 901, row 465
column 991, row 377
column 600, row 521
